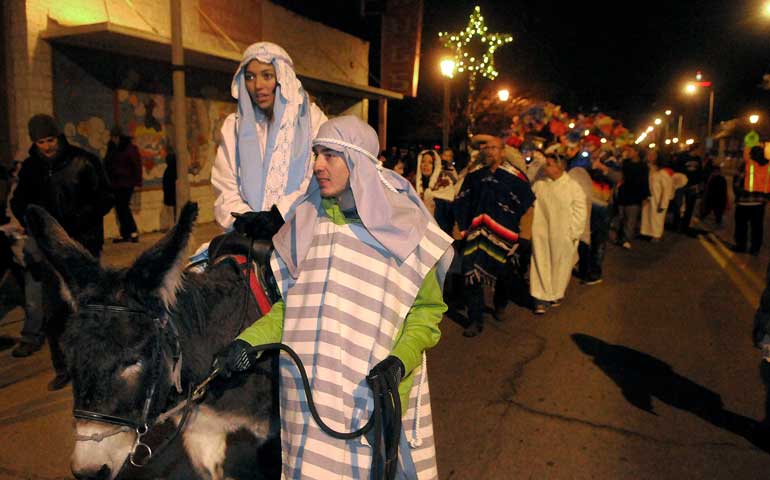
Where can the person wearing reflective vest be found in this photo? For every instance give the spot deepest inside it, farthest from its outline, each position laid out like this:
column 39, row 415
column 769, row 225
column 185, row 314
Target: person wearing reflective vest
column 751, row 186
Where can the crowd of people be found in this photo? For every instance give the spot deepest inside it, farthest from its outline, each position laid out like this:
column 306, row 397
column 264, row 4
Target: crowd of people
column 365, row 239
column 527, row 219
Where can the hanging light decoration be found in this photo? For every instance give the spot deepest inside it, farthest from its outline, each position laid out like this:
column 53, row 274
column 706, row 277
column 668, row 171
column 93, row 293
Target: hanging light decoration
column 459, row 43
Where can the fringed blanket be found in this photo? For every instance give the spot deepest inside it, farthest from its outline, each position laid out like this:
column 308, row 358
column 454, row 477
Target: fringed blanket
column 489, row 207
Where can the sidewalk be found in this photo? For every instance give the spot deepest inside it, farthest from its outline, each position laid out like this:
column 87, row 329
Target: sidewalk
column 122, row 254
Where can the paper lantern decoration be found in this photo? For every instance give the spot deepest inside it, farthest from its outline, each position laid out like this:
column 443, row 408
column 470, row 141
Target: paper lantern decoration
column 593, row 140
column 557, row 127
column 514, row 141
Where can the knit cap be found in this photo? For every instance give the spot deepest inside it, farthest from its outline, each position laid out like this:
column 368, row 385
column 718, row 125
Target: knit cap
column 42, row 126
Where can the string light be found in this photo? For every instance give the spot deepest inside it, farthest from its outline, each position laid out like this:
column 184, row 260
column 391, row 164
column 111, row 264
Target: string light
column 484, row 63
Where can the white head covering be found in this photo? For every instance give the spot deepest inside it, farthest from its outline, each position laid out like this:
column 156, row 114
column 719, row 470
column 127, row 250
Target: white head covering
column 387, row 205
column 433, row 176
column 265, row 177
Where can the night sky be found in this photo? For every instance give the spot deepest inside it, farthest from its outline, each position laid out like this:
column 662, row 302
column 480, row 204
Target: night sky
column 592, row 55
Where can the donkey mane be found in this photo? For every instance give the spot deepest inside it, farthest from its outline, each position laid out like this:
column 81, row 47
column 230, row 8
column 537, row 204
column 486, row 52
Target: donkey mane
column 211, row 309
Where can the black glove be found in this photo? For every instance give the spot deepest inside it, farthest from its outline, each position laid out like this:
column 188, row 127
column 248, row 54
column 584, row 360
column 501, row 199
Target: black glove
column 258, row 225
column 391, row 371
column 235, row 357
column 383, row 379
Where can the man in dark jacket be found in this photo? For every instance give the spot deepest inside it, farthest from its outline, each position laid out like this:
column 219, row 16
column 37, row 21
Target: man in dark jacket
column 67, row 181
column 124, row 169
column 70, row 184
column 634, row 189
column 690, row 164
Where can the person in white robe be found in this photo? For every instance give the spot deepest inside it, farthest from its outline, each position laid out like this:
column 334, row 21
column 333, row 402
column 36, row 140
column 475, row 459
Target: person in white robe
column 578, row 171
column 559, row 221
column 661, row 193
column 433, row 180
column 264, row 157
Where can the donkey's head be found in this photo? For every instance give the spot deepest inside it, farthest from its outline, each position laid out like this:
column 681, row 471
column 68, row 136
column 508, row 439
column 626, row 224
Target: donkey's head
column 114, row 341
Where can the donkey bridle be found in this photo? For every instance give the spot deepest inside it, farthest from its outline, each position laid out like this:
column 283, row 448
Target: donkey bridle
column 385, row 421
column 141, row 453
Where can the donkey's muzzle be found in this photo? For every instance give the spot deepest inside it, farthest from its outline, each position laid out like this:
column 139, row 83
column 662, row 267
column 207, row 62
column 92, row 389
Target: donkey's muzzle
column 91, row 474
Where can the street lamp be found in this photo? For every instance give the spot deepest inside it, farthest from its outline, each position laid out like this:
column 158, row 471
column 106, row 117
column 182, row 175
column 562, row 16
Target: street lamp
column 692, row 87
column 668, row 113
column 448, row 71
column 503, row 95
column 753, row 119
column 448, row 67
column 658, row 121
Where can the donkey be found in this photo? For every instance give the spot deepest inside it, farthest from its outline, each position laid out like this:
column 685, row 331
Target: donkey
column 136, row 337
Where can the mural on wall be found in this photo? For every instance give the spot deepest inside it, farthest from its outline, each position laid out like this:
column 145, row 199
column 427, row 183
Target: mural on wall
column 147, row 118
column 91, row 134
column 143, row 117
column 88, row 104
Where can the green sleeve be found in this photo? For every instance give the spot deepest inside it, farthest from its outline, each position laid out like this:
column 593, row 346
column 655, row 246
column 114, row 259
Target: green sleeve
column 268, row 329
column 420, row 330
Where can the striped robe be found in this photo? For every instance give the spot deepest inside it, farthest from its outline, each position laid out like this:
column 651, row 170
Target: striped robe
column 342, row 316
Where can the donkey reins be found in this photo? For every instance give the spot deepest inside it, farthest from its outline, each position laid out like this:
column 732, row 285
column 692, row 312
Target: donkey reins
column 385, row 420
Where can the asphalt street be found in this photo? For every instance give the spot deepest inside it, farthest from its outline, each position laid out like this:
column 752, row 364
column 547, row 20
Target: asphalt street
column 650, row 374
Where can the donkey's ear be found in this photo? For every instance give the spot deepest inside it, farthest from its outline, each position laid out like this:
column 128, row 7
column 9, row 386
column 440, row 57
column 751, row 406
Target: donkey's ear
column 74, row 263
column 158, row 271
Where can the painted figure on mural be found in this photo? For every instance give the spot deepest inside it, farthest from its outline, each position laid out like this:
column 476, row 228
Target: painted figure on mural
column 264, row 160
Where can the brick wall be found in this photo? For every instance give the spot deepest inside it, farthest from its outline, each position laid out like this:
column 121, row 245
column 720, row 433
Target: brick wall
column 29, row 71
column 330, row 53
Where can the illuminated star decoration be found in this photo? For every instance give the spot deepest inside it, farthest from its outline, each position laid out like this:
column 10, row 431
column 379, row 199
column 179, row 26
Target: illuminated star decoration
column 459, row 42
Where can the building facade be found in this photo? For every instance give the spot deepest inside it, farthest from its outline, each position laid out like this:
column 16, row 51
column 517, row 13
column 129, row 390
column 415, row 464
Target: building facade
column 98, row 63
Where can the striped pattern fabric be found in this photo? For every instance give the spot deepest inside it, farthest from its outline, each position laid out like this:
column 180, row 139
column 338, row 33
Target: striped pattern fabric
column 343, row 313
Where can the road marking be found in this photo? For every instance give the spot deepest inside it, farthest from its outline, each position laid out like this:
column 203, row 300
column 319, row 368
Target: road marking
column 750, row 293
column 755, row 279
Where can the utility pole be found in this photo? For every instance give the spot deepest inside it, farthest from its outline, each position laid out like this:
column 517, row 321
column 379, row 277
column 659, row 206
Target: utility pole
column 445, row 117
column 679, row 127
column 180, row 107
column 711, row 112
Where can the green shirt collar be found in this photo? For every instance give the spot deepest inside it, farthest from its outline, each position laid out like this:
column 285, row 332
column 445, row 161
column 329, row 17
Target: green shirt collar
column 336, row 214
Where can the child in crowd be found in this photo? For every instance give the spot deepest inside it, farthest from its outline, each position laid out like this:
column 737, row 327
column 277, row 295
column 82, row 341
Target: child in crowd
column 560, row 218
